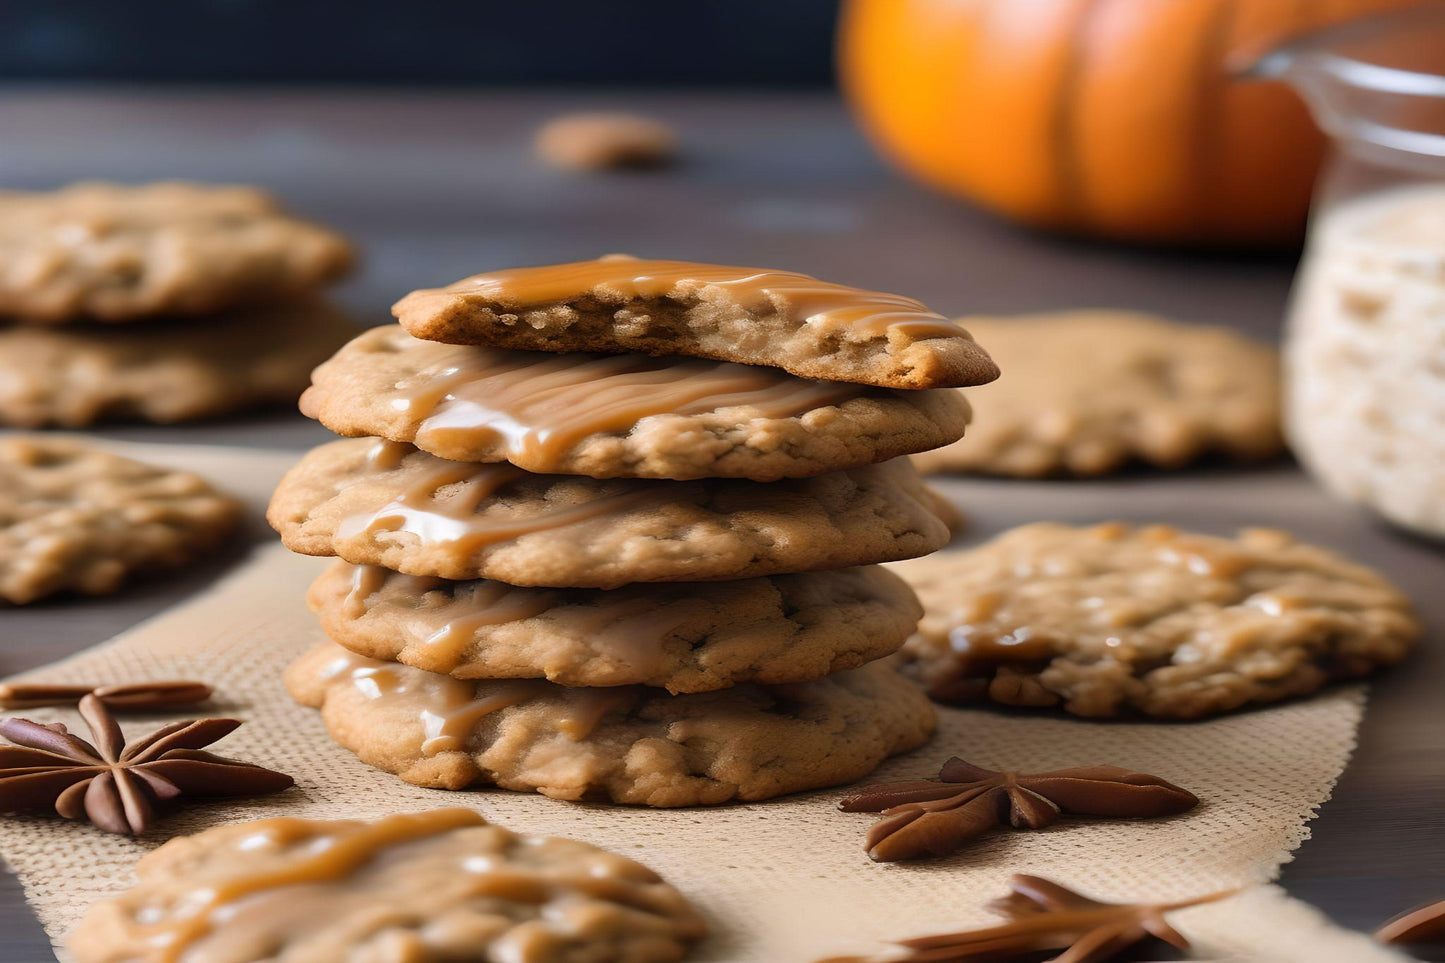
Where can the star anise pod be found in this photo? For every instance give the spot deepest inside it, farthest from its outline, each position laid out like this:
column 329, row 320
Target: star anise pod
column 118, row 786
column 1042, row 917
column 128, row 697
column 1424, row 924
column 935, row 817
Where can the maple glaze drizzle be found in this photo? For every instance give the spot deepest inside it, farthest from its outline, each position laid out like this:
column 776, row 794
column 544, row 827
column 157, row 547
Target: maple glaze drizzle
column 829, row 308
column 541, row 405
column 448, row 709
column 365, row 581
column 488, row 603
column 327, row 858
column 635, row 631
column 453, row 521
column 495, row 603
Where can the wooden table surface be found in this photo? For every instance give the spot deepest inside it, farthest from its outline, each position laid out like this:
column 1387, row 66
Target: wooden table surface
column 437, row 185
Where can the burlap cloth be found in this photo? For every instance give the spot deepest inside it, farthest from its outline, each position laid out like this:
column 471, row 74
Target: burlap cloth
column 780, row 881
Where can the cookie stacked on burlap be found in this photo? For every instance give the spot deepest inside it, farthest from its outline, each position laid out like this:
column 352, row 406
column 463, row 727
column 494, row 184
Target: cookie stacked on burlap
column 162, row 303
column 646, row 573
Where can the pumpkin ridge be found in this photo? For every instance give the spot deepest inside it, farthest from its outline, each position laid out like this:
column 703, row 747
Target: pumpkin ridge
column 1070, row 188
column 1209, row 107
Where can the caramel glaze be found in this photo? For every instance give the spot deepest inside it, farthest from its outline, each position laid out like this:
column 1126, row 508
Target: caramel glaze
column 329, row 859
column 448, row 709
column 832, row 309
column 452, row 520
column 541, row 405
column 496, row 603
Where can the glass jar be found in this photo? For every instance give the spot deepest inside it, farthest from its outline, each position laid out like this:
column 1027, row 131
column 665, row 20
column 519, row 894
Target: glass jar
column 1364, row 346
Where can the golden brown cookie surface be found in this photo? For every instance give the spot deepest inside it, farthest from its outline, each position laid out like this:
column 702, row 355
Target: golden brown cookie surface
column 629, row 744
column 681, row 636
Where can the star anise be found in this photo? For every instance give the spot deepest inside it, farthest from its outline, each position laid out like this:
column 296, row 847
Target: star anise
column 117, row 786
column 936, row 817
column 1424, row 924
column 1042, row 917
column 128, row 697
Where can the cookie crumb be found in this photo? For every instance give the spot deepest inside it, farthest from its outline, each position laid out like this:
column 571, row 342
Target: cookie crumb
column 605, row 141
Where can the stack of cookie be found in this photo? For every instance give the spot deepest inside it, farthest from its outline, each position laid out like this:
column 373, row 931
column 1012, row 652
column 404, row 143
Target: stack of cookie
column 647, row 573
column 160, row 303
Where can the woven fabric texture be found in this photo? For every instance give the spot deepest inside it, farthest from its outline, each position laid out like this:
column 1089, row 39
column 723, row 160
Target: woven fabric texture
column 784, row 880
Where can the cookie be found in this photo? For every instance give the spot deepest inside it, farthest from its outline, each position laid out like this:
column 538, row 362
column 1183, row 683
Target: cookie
column 386, row 503
column 443, row 886
column 1089, row 392
column 623, row 305
column 604, row 141
column 681, row 636
column 108, row 252
column 166, row 371
column 619, row 415
column 627, row 744
column 73, row 519
column 1111, row 620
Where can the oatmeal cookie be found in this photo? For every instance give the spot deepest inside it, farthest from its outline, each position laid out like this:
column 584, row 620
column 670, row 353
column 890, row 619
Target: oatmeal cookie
column 619, row 415
column 1110, row 620
column 80, row 520
column 1089, row 392
column 682, row 636
column 165, row 371
column 623, row 305
column 386, row 503
column 627, row 744
column 443, row 886
column 109, row 252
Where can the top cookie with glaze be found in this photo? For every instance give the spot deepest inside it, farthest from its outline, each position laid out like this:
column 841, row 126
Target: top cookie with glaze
column 610, row 416
column 783, row 319
column 110, row 252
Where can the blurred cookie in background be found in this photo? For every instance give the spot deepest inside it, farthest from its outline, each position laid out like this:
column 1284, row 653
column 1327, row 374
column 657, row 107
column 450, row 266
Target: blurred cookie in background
column 159, row 303
column 1092, row 392
column 113, row 253
column 76, row 519
column 164, row 372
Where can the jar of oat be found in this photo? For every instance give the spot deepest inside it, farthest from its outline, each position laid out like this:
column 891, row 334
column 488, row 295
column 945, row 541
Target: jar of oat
column 1365, row 337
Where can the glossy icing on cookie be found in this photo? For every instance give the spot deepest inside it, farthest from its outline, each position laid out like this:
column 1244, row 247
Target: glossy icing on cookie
column 538, row 404
column 451, row 523
column 820, row 304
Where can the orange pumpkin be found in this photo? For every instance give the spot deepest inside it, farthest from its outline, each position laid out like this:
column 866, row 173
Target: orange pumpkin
column 1109, row 117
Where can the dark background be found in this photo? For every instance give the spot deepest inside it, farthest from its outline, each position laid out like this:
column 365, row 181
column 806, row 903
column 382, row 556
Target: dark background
column 603, row 42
